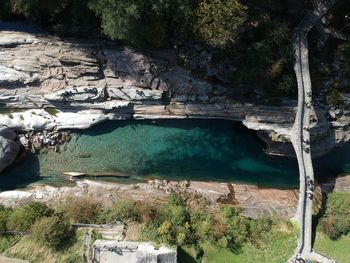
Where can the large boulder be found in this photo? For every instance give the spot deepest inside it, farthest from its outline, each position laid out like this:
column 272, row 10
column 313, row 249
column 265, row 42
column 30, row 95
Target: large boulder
column 8, row 148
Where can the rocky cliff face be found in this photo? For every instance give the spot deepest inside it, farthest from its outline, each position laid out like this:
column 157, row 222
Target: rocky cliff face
column 71, row 84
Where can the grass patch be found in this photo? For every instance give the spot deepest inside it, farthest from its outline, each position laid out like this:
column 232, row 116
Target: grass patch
column 52, row 111
column 6, row 240
column 335, row 249
column 34, row 252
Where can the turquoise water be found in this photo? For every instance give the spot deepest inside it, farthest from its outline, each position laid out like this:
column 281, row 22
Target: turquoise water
column 214, row 150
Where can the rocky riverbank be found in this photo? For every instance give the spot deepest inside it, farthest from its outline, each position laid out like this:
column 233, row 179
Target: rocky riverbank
column 53, row 84
column 36, row 141
column 255, row 201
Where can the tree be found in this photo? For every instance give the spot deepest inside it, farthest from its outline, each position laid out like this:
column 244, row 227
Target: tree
column 144, row 22
column 218, row 21
column 237, row 225
column 23, row 217
column 54, row 232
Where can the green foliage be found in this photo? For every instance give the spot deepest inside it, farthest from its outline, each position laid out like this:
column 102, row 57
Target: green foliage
column 4, row 217
column 336, row 249
column 6, row 241
column 258, row 229
column 59, row 16
column 122, row 210
column 82, row 210
column 142, row 22
column 23, row 217
column 263, row 56
column 334, row 98
column 172, row 223
column 95, row 236
column 186, row 220
column 218, row 21
column 336, row 221
column 237, row 225
column 54, row 232
column 179, row 222
column 286, row 85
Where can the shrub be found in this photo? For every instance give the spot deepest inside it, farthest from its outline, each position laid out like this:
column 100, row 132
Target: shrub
column 334, row 98
column 258, row 228
column 54, row 232
column 218, row 21
column 23, row 217
column 238, row 226
column 83, row 210
column 146, row 212
column 172, row 224
column 202, row 224
column 287, row 85
column 143, row 22
column 122, row 210
column 4, row 217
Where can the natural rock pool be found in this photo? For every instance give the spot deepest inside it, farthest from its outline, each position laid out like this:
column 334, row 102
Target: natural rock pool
column 206, row 150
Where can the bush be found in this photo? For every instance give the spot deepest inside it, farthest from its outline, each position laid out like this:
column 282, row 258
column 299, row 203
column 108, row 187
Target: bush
column 258, row 229
column 143, row 22
column 218, row 21
column 54, row 232
column 4, row 218
column 83, row 210
column 146, row 212
column 122, row 210
column 287, row 85
column 185, row 222
column 237, row 225
column 23, row 217
column 334, row 98
column 172, row 223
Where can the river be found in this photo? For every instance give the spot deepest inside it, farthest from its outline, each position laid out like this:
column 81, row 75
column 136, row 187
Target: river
column 205, row 150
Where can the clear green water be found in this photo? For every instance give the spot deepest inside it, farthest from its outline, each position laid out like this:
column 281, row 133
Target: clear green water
column 213, row 150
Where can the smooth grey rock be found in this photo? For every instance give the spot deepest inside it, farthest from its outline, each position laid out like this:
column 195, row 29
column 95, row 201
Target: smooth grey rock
column 7, row 133
column 8, row 152
column 10, row 76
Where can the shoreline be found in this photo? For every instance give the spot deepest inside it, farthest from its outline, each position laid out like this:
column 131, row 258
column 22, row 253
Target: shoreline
column 255, row 201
